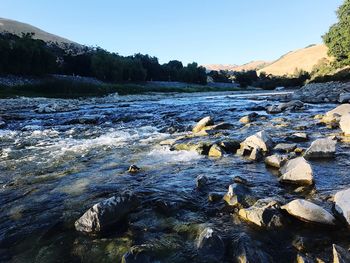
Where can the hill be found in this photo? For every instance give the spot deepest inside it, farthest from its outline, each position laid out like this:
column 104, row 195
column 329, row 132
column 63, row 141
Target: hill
column 253, row 65
column 17, row 28
column 304, row 59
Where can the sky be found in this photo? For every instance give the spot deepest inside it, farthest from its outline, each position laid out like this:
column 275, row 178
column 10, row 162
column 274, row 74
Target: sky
column 204, row 31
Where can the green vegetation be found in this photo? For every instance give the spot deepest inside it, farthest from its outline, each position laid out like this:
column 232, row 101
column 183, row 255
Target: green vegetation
column 338, row 37
column 27, row 56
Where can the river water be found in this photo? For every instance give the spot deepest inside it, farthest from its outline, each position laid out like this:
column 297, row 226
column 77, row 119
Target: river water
column 54, row 166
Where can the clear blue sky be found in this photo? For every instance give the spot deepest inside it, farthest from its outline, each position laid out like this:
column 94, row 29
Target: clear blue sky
column 205, row 31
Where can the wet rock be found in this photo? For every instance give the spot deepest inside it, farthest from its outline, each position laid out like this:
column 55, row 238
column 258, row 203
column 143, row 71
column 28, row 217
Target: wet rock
column 342, row 204
column 201, row 147
column 264, row 213
column 210, row 246
column 304, row 259
column 344, row 124
column 340, row 255
column 215, row 151
column 201, row 181
column 215, row 197
column 256, row 145
column 344, row 97
column 239, row 195
column 106, row 213
column 207, row 121
column 321, row 148
column 297, row 171
column 285, row 147
column 334, row 115
column 291, row 105
column 133, row 169
column 219, row 126
column 230, row 146
column 2, row 124
column 136, row 255
column 245, row 250
column 239, row 180
column 275, row 160
column 47, row 108
column 249, row 118
column 309, row 212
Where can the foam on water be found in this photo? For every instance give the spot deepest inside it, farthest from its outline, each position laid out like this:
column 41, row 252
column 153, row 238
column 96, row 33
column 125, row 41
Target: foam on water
column 164, row 155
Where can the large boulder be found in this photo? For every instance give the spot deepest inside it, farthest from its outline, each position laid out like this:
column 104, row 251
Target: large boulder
column 297, row 171
column 321, row 148
column 340, row 255
column 285, row 147
column 264, row 213
column 239, row 195
column 342, row 204
column 275, row 160
column 344, row 124
column 210, row 246
column 207, row 121
column 334, row 115
column 309, row 212
column 256, row 145
column 246, row 251
column 106, row 213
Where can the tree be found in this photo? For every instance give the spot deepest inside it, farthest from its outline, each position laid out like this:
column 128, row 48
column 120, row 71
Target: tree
column 338, row 37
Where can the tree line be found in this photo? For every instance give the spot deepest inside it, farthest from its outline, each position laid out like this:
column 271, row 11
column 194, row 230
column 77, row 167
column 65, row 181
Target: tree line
column 24, row 55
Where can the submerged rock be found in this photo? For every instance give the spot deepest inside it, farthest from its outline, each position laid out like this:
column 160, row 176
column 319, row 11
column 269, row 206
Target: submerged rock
column 309, row 212
column 321, row 148
column 275, row 160
column 201, row 181
column 207, row 121
column 245, row 250
column 215, row 197
column 106, row 213
column 342, row 204
column 340, row 255
column 215, row 151
column 133, row 169
column 297, row 171
column 264, row 213
column 210, row 246
column 136, row 255
column 239, row 195
column 345, row 124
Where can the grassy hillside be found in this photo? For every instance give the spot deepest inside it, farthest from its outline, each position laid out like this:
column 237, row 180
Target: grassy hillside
column 253, row 65
column 17, row 28
column 304, row 59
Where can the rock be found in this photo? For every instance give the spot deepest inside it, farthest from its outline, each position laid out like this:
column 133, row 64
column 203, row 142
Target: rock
column 246, row 251
column 47, row 108
column 201, row 181
column 340, row 255
column 210, row 246
column 309, row 212
column 304, row 259
column 256, row 154
column 264, row 213
column 239, row 195
column 249, row 118
column 344, row 97
column 2, row 124
column 133, row 169
column 291, row 105
column 342, row 204
column 334, row 115
column 230, row 146
column 285, row 147
column 207, row 121
column 239, row 180
column 106, row 213
column 255, row 144
column 344, row 124
column 136, row 255
column 219, row 126
column 297, row 171
column 321, row 148
column 275, row 160
column 215, row 197
column 215, row 151
column 201, row 147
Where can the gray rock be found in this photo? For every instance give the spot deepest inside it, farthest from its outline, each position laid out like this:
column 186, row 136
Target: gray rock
column 201, row 181
column 215, row 197
column 256, row 146
column 340, row 255
column 344, row 97
column 297, row 171
column 342, row 204
column 2, row 124
column 106, row 213
column 239, row 195
column 264, row 213
column 230, row 146
column 249, row 118
column 298, row 137
column 321, row 148
column 334, row 115
column 210, row 246
column 291, row 105
column 309, row 212
column 285, row 147
column 207, row 121
column 275, row 160
column 344, row 124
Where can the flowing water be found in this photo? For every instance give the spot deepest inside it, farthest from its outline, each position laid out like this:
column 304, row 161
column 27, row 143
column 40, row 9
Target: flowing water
column 54, row 166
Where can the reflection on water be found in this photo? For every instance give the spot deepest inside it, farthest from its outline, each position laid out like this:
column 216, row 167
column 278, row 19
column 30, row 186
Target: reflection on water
column 54, row 166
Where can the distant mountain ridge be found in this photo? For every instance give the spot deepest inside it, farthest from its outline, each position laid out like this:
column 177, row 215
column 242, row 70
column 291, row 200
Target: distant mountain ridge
column 17, row 28
column 253, row 65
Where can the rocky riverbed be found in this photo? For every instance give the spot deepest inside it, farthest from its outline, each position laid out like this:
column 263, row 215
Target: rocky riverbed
column 208, row 177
